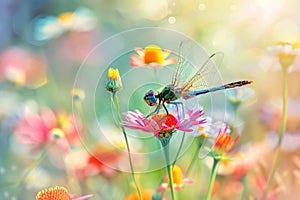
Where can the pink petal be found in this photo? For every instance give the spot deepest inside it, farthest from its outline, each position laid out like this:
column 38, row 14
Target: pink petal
column 82, row 197
column 139, row 51
column 166, row 53
column 177, row 187
column 188, row 181
column 136, row 64
column 170, row 61
column 162, row 187
column 152, row 126
column 185, row 129
column 136, row 61
column 154, row 65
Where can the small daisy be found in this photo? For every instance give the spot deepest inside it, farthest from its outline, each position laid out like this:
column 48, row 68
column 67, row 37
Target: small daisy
column 284, row 55
column 152, row 56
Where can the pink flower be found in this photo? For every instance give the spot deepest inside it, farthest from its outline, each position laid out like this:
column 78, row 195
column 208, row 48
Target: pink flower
column 163, row 123
column 22, row 68
column 152, row 56
column 59, row 193
column 42, row 129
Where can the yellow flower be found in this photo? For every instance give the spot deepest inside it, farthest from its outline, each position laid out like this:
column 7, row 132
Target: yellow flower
column 178, row 180
column 152, row 56
column 113, row 73
column 114, row 82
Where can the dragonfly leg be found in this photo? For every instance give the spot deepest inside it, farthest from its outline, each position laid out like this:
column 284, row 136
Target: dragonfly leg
column 155, row 111
column 177, row 109
column 165, row 108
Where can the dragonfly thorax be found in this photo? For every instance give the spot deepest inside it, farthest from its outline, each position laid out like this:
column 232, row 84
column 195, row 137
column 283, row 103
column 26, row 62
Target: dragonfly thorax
column 169, row 94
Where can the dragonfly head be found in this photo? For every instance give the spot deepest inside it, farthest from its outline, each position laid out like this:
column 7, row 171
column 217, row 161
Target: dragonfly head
column 150, row 98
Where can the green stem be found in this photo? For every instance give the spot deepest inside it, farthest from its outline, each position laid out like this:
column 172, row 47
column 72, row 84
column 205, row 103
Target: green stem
column 179, row 149
column 166, row 147
column 212, row 179
column 176, row 157
column 235, row 117
column 195, row 156
column 281, row 132
column 155, row 75
column 115, row 102
column 246, row 188
column 33, row 166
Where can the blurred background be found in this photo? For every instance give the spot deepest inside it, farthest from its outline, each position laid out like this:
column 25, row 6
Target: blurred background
column 43, row 43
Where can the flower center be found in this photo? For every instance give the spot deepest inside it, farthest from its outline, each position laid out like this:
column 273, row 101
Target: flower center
column 57, row 133
column 153, row 54
column 166, row 123
column 56, row 193
column 286, row 59
column 66, row 19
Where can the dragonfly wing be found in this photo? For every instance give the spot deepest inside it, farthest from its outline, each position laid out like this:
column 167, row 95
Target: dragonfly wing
column 206, row 75
column 205, row 148
column 185, row 48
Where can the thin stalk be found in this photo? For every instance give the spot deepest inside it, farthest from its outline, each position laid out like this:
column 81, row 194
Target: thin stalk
column 179, row 149
column 166, row 147
column 33, row 166
column 155, row 75
column 281, row 132
column 115, row 101
column 235, row 117
column 176, row 157
column 212, row 179
column 195, row 156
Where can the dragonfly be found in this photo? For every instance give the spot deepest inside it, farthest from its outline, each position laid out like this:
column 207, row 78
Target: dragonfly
column 174, row 91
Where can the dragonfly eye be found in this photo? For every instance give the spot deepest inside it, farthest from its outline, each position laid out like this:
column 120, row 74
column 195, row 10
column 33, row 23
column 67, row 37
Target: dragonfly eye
column 150, row 98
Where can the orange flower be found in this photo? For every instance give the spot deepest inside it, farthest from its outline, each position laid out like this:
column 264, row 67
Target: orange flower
column 223, row 144
column 152, row 56
column 146, row 195
column 58, row 193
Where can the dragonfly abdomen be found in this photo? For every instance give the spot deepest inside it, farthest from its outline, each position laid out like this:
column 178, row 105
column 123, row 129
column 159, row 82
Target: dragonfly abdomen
column 190, row 94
